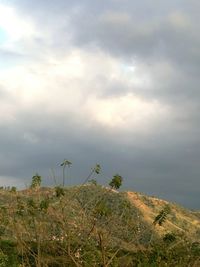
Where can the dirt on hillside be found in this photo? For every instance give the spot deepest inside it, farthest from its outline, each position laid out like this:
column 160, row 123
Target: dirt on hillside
column 179, row 220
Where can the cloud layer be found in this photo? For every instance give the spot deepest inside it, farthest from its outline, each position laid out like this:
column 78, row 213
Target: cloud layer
column 114, row 82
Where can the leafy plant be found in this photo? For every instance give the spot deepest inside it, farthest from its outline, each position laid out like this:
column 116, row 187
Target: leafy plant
column 36, row 181
column 116, row 182
column 96, row 169
column 169, row 238
column 3, row 259
column 59, row 191
column 162, row 216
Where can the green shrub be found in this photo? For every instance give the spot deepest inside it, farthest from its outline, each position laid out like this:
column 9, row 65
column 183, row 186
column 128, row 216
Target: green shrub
column 116, row 182
column 3, row 259
column 59, row 191
column 36, row 181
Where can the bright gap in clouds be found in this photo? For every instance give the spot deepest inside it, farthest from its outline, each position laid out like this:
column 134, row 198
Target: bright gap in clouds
column 126, row 112
column 2, row 36
column 13, row 26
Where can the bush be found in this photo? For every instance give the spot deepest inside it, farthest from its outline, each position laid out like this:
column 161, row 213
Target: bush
column 3, row 259
column 36, row 181
column 59, row 191
column 116, row 182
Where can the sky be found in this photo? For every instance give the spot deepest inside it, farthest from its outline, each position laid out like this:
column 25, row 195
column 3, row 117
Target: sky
column 113, row 82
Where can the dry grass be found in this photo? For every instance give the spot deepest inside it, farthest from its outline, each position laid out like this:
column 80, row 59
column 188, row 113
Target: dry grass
column 180, row 220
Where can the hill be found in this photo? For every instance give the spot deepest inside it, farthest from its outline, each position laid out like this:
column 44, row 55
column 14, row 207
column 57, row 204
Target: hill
column 179, row 220
column 92, row 225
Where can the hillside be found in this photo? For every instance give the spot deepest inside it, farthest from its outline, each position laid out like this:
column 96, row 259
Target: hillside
column 180, row 220
column 92, row 225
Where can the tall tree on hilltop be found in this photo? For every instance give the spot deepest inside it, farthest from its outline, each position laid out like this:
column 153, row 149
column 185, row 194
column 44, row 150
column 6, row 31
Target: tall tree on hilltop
column 64, row 164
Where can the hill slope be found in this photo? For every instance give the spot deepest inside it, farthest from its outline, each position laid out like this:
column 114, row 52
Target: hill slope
column 92, row 225
column 179, row 220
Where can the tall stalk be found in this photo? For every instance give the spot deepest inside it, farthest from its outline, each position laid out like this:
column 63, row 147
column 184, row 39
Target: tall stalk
column 64, row 164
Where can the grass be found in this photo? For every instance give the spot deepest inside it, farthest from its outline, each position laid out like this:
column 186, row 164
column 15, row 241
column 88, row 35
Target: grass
column 92, row 225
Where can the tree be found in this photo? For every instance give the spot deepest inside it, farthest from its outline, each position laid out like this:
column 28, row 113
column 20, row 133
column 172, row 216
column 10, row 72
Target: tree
column 64, row 164
column 36, row 181
column 162, row 216
column 96, row 169
column 116, row 182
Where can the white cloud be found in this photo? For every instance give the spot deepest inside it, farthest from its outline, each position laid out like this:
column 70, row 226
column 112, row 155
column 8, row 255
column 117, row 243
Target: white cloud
column 15, row 27
column 180, row 20
column 128, row 112
column 73, row 84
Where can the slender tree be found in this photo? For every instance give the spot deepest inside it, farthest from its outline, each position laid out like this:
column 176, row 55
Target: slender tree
column 64, row 164
column 96, row 169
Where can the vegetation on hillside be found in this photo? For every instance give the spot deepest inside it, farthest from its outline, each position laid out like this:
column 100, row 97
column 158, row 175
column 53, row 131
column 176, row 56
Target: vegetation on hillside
column 94, row 225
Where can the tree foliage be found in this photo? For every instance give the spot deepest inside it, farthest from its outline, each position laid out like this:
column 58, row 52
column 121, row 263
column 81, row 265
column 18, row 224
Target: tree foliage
column 162, row 216
column 116, row 182
column 36, row 181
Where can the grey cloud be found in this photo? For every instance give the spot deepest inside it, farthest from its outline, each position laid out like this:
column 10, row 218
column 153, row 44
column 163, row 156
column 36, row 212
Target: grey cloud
column 166, row 35
column 124, row 35
column 154, row 35
column 156, row 164
column 147, row 30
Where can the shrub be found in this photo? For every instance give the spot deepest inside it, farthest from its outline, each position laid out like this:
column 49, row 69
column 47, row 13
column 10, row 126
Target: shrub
column 59, row 191
column 36, row 181
column 3, row 259
column 116, row 182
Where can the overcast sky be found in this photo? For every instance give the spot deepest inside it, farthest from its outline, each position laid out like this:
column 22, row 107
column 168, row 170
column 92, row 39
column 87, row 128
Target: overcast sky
column 114, row 82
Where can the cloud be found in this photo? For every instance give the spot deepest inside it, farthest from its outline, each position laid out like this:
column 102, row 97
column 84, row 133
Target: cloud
column 109, row 82
column 11, row 181
column 14, row 27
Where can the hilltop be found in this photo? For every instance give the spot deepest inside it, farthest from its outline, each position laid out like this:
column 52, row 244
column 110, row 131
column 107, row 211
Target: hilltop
column 92, row 225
